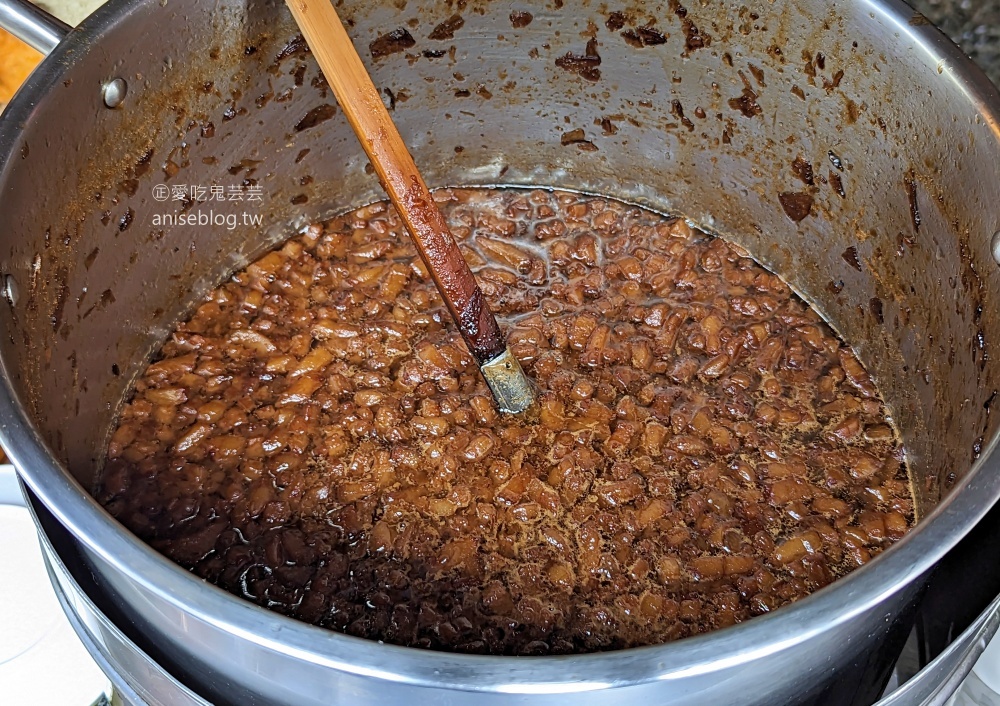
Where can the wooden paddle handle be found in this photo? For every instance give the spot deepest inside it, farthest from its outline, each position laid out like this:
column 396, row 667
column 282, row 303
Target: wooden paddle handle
column 360, row 100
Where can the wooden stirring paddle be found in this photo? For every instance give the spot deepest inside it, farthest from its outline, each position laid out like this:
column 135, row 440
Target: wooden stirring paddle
column 340, row 63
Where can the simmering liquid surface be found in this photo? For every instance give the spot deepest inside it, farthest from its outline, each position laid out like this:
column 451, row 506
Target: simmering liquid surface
column 317, row 439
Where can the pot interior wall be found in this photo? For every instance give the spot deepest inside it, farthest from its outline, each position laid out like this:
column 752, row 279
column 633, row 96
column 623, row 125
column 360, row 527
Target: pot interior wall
column 708, row 110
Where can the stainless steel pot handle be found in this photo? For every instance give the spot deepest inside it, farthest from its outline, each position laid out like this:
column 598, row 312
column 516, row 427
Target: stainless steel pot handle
column 33, row 25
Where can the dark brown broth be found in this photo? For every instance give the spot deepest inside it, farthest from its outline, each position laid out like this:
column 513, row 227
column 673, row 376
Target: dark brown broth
column 317, row 439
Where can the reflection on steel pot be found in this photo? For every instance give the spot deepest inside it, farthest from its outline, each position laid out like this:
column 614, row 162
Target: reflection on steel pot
column 891, row 240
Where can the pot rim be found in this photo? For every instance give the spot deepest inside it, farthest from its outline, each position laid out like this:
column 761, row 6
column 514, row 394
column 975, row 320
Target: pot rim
column 825, row 610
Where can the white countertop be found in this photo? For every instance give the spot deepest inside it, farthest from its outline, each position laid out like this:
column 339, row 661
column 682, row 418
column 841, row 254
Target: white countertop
column 36, row 637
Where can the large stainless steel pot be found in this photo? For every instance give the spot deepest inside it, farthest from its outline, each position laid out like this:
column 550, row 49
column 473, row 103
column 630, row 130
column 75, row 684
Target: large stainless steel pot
column 903, row 135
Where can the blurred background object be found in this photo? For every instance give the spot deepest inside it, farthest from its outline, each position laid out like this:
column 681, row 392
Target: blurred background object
column 972, row 24
column 17, row 60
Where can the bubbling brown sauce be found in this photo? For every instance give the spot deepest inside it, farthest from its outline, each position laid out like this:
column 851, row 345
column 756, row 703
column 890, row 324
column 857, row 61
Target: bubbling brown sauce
column 317, row 439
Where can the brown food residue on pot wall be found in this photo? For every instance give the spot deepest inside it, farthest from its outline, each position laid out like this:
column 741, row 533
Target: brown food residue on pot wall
column 317, row 439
